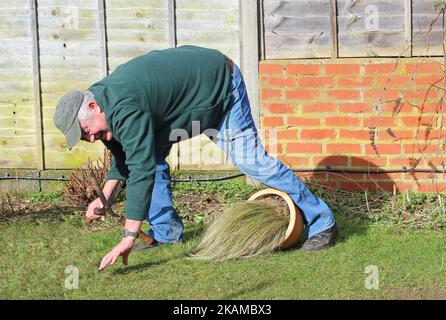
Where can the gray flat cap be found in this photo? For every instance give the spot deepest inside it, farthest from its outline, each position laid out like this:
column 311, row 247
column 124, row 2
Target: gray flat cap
column 65, row 117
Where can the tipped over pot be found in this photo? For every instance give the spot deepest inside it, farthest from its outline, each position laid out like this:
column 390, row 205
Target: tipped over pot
column 284, row 206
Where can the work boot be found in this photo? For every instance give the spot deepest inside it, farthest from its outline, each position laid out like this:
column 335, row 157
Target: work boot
column 142, row 245
column 321, row 240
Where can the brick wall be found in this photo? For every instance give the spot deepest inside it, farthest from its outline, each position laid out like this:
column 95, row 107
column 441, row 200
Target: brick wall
column 357, row 114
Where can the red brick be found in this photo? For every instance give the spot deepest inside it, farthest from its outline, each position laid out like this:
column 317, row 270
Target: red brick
column 274, row 148
column 355, row 82
column 429, row 80
column 343, row 94
column 420, row 94
column 282, row 82
column 266, row 68
column 355, row 107
column 273, row 121
column 380, row 93
column 402, row 186
column 420, row 148
column 317, row 133
column 313, row 176
column 268, row 94
column 433, row 67
column 408, row 163
column 344, row 148
column 384, row 149
column 303, row 69
column 295, row 161
column 350, row 186
column 304, row 148
column 342, row 122
column 316, row 82
column 380, row 122
column 395, row 80
column 394, row 108
column 399, row 134
column 302, row 94
column 414, row 121
column 380, row 68
column 363, row 134
column 431, row 107
column 320, row 107
column 332, row 161
column 423, row 176
column 368, row 162
column 280, row 108
column 302, row 122
column 290, row 134
column 333, row 69
column 424, row 134
column 378, row 185
column 437, row 187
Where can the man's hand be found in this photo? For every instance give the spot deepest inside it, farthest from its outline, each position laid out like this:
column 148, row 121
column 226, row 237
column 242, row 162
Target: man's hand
column 91, row 210
column 122, row 249
column 109, row 186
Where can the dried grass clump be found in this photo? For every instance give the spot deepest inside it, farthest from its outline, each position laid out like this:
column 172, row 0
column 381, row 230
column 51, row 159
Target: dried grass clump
column 243, row 230
column 79, row 190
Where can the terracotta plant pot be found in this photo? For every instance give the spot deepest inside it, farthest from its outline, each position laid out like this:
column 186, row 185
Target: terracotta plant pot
column 295, row 225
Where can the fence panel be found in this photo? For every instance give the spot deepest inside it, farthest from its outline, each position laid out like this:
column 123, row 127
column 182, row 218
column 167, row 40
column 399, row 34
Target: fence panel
column 17, row 139
column 297, row 29
column 70, row 58
column 371, row 28
column 424, row 42
column 135, row 27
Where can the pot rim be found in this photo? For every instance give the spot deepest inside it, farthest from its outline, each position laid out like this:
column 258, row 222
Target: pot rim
column 295, row 225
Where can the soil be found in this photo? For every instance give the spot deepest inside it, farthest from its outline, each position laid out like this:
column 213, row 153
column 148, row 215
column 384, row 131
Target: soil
column 278, row 203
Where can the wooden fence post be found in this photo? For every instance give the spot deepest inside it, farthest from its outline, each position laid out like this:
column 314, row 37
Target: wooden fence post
column 334, row 29
column 249, row 52
column 249, row 55
column 40, row 158
column 102, row 26
column 172, row 24
column 408, row 28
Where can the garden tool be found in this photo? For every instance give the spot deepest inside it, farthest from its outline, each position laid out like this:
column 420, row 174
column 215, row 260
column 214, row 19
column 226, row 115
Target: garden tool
column 107, row 208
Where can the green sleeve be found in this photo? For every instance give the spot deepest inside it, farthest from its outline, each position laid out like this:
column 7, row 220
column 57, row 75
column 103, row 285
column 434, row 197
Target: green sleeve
column 118, row 168
column 134, row 129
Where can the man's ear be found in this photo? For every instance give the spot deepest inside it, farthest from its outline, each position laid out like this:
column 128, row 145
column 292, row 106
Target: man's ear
column 93, row 106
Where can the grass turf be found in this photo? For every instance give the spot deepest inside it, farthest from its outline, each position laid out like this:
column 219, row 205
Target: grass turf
column 34, row 258
column 34, row 254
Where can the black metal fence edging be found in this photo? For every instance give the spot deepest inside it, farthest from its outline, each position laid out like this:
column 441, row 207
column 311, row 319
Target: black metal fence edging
column 191, row 179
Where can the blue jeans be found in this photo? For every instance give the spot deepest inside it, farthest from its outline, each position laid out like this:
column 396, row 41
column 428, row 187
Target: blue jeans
column 165, row 223
column 238, row 137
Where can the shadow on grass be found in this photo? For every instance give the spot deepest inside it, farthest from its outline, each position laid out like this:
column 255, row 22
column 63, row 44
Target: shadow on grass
column 146, row 265
column 192, row 232
column 37, row 211
column 248, row 290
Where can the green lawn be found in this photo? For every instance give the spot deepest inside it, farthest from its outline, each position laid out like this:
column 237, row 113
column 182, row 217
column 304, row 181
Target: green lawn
column 36, row 249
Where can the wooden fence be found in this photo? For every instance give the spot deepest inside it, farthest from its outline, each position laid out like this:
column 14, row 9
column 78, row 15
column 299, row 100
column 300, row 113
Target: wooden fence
column 48, row 47
column 349, row 28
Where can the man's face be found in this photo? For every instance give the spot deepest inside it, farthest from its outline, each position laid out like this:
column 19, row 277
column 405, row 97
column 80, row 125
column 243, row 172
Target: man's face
column 95, row 128
column 91, row 131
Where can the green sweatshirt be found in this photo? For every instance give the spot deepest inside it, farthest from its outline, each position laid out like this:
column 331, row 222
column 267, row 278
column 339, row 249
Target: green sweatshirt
column 148, row 97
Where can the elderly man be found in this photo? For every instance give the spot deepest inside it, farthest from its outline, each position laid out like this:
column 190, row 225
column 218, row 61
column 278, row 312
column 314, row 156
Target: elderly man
column 134, row 111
